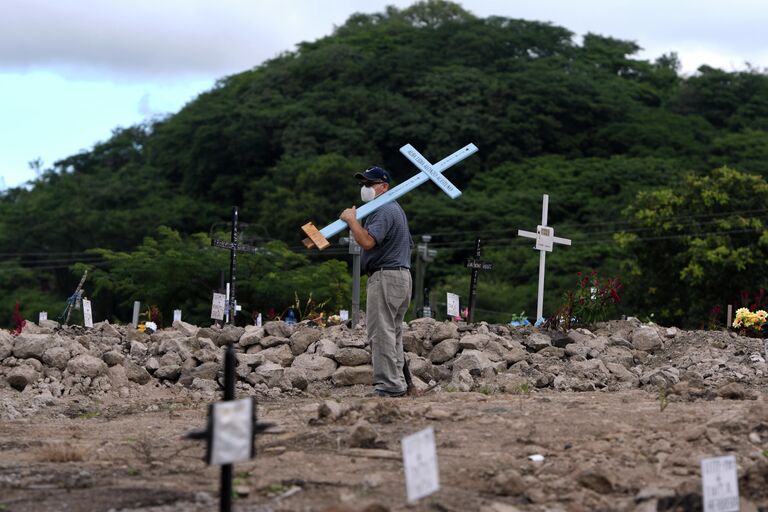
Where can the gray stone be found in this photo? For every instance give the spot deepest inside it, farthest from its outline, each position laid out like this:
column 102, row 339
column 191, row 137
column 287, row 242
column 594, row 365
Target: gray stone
column 205, row 371
column 297, row 377
column 22, row 376
column 621, row 373
column 152, row 364
column 205, row 385
column 250, row 359
column 117, row 376
column 281, row 354
column 268, row 373
column 273, row 341
column 168, row 372
column 302, row 339
column 414, row 344
column 352, row 356
column 351, row 375
column 138, row 350
column 444, row 331
column 326, row 348
column 206, row 355
column 87, row 366
column 444, row 351
column 515, row 355
column 420, row 367
column 177, row 346
column 132, row 334
column 57, row 357
column 316, row 366
column 474, row 341
column 229, row 334
column 732, row 391
column 186, row 329
column 538, row 341
column 553, row 352
column 353, row 342
column 31, row 345
column 113, row 357
column 136, row 373
column 509, row 483
column 6, row 344
column 472, row 360
column 646, row 339
column 462, row 380
column 170, row 358
column 576, row 350
column 251, row 336
column 280, row 329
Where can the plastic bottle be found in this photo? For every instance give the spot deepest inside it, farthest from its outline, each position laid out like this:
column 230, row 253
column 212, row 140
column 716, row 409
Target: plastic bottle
column 290, row 318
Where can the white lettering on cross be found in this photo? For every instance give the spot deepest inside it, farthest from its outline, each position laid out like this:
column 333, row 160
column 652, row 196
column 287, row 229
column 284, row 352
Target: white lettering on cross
column 423, row 164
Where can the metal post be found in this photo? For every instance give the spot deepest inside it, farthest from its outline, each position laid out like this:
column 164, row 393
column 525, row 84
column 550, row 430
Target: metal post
column 473, row 284
column 136, row 310
column 225, row 500
column 233, row 268
column 355, row 280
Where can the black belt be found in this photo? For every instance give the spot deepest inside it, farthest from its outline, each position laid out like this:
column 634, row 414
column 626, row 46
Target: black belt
column 371, row 272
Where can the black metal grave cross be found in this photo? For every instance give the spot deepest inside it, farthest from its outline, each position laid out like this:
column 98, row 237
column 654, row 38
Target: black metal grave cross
column 476, row 265
column 234, row 246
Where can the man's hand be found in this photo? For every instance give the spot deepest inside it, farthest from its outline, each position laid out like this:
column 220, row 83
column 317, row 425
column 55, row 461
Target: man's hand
column 349, row 215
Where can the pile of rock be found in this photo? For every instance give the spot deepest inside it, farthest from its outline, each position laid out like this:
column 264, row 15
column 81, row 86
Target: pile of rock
column 53, row 361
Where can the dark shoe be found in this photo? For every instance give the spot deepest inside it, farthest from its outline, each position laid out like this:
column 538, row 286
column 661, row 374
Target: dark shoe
column 385, row 394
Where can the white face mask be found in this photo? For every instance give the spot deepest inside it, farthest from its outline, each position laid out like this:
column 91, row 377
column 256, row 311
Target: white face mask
column 367, row 194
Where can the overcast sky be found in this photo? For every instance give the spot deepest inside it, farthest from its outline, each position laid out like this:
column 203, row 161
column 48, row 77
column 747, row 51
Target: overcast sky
column 73, row 70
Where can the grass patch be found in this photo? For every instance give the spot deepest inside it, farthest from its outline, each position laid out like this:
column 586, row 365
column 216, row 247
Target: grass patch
column 61, row 453
column 88, row 415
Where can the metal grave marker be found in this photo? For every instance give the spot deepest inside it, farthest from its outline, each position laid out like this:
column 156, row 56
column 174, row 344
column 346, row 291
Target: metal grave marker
column 87, row 313
column 719, row 484
column 319, row 238
column 420, row 464
column 476, row 265
column 218, row 306
column 545, row 240
column 452, row 305
column 136, row 311
column 234, row 246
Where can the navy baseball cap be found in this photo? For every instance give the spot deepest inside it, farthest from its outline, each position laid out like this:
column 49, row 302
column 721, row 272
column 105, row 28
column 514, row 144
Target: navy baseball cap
column 374, row 174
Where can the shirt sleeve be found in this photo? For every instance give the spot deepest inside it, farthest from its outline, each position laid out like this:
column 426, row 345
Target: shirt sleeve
column 378, row 225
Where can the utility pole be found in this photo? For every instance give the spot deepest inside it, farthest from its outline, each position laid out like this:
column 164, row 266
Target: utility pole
column 423, row 256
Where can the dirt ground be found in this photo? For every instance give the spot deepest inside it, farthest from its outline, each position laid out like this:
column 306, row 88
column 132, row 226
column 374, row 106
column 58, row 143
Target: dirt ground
column 628, row 450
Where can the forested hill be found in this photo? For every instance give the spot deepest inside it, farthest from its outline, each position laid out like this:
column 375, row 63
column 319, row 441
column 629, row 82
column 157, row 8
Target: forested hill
column 587, row 122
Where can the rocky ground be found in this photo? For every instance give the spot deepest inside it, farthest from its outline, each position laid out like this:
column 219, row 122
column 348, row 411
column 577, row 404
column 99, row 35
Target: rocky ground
column 93, row 419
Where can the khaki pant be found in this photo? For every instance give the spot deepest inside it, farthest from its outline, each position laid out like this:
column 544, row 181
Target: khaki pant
column 388, row 298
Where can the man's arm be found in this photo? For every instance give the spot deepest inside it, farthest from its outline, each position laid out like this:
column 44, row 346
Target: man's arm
column 362, row 237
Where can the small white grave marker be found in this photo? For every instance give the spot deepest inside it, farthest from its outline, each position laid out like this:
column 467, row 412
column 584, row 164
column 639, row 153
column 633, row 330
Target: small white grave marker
column 420, row 461
column 344, row 315
column 258, row 320
column 177, row 315
column 719, row 484
column 232, row 437
column 87, row 313
column 43, row 316
column 219, row 306
column 453, row 305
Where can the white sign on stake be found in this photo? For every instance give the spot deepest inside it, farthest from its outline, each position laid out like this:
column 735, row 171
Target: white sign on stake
column 43, row 316
column 719, row 484
column 219, row 306
column 420, row 462
column 87, row 313
column 453, row 305
column 177, row 315
column 232, row 437
column 344, row 315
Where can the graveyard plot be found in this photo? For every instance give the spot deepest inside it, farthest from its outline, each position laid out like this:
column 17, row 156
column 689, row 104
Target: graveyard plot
column 618, row 418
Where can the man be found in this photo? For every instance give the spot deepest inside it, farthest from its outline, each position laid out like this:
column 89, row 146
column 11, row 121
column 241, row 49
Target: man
column 386, row 258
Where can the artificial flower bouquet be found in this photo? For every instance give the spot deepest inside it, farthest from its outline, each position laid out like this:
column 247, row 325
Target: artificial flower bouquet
column 749, row 322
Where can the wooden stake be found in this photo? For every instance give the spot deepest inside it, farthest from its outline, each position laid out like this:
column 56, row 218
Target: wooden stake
column 315, row 238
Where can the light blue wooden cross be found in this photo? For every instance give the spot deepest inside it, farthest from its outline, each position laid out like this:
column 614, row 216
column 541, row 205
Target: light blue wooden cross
column 319, row 238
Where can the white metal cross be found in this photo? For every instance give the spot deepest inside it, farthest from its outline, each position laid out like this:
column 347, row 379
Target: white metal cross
column 545, row 240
